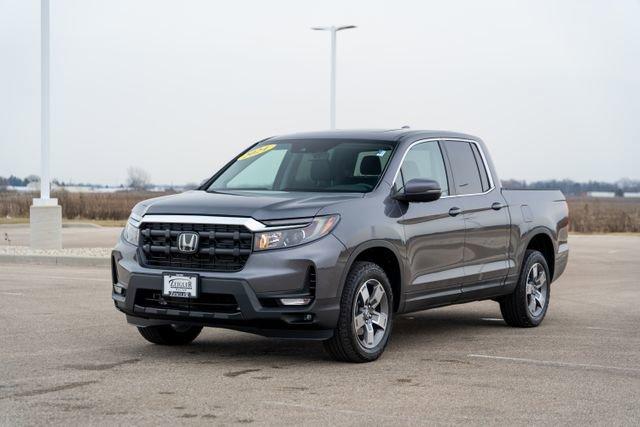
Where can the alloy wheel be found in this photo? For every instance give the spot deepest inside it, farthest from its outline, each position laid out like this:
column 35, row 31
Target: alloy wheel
column 536, row 289
column 370, row 313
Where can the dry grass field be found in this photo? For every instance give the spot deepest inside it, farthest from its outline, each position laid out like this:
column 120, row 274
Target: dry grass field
column 588, row 215
column 100, row 207
column 604, row 215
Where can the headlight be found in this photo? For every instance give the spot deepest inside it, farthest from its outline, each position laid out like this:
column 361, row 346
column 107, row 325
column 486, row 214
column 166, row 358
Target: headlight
column 131, row 233
column 317, row 228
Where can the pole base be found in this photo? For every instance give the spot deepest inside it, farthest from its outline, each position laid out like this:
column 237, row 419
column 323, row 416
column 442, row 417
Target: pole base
column 45, row 223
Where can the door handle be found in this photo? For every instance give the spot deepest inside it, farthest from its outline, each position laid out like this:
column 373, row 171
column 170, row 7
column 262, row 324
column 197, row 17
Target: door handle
column 496, row 206
column 455, row 211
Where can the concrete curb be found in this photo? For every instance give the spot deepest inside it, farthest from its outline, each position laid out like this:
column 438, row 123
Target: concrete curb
column 71, row 261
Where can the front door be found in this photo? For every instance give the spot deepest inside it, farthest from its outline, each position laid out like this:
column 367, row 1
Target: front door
column 434, row 232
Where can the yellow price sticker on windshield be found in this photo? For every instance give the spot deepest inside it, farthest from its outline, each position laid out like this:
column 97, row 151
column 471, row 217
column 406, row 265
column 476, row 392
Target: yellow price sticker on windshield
column 257, row 151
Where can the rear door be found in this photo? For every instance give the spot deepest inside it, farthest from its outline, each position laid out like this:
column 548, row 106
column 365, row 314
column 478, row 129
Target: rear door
column 434, row 232
column 485, row 215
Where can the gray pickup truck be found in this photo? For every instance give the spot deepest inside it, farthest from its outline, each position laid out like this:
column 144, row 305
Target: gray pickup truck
column 330, row 235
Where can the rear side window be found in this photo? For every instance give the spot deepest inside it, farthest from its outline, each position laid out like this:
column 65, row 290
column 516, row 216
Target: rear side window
column 484, row 177
column 464, row 167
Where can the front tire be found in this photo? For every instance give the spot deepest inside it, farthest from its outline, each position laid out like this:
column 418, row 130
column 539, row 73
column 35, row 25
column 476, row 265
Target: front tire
column 366, row 315
column 527, row 305
column 170, row 334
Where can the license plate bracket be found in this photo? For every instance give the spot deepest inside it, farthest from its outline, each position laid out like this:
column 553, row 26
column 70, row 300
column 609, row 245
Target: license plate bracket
column 180, row 285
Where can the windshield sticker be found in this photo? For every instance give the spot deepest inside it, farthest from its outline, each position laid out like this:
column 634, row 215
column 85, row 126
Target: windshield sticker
column 257, row 151
column 381, row 153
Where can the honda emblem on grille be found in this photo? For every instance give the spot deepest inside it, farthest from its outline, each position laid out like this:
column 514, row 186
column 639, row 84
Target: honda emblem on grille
column 188, row 242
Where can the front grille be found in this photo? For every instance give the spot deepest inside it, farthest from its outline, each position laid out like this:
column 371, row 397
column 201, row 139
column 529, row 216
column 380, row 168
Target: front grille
column 207, row 303
column 221, row 248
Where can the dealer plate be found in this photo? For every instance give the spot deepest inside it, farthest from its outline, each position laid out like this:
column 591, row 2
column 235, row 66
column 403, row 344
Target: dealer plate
column 180, row 285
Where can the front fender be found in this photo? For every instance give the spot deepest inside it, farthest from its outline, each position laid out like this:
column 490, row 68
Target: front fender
column 358, row 250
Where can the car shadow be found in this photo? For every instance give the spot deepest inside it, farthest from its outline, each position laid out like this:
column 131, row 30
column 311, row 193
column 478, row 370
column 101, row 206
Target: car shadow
column 439, row 326
column 435, row 326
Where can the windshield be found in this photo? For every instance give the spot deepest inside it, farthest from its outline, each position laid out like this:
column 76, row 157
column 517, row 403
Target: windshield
column 307, row 165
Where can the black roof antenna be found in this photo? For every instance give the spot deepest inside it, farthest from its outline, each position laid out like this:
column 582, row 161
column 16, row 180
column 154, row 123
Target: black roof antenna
column 406, row 127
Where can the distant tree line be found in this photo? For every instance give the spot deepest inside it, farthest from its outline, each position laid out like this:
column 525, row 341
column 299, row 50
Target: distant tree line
column 569, row 187
column 139, row 179
column 14, row 181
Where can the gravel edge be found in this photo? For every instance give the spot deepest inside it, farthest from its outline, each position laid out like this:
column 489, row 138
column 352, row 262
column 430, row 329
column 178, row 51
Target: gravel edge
column 87, row 257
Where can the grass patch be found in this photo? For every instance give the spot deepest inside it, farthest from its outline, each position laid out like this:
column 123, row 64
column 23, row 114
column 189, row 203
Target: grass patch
column 100, row 222
column 587, row 214
column 77, row 206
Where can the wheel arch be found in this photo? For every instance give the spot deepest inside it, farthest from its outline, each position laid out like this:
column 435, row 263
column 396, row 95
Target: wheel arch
column 542, row 241
column 387, row 257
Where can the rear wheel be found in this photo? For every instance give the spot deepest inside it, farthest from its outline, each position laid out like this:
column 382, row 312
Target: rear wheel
column 366, row 315
column 170, row 334
column 527, row 305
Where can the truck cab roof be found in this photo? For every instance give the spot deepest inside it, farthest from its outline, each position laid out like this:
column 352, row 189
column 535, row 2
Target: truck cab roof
column 374, row 135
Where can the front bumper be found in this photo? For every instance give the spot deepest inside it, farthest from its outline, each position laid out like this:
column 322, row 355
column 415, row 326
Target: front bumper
column 246, row 300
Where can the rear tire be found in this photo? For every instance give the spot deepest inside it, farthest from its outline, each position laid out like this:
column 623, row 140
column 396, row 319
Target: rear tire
column 527, row 305
column 170, row 334
column 366, row 315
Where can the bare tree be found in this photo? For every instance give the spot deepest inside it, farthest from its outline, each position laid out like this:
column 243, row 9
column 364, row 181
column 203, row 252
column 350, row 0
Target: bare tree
column 138, row 178
column 32, row 178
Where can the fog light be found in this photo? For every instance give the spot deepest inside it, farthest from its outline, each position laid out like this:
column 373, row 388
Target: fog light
column 295, row 301
column 118, row 289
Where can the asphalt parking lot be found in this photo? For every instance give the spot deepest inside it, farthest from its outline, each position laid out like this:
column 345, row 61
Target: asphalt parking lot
column 67, row 357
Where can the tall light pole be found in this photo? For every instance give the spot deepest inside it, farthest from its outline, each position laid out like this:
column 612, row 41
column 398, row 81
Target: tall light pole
column 45, row 182
column 332, row 94
column 45, row 215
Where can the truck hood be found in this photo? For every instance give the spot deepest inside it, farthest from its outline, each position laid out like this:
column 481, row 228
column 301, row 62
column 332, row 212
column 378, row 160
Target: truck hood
column 257, row 205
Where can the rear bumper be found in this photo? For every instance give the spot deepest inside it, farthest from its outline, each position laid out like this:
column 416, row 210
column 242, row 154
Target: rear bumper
column 249, row 298
column 562, row 259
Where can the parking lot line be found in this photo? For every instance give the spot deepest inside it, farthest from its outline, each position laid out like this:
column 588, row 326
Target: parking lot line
column 554, row 363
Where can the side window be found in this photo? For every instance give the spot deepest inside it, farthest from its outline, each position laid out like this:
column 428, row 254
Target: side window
column 484, row 177
column 464, row 167
column 425, row 161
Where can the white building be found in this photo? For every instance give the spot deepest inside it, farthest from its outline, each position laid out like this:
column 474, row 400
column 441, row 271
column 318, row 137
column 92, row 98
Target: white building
column 601, row 194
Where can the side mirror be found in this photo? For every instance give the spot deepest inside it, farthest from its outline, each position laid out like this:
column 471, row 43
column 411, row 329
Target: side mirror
column 419, row 190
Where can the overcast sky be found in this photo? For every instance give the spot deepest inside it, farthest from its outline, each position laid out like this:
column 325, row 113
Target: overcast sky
column 179, row 87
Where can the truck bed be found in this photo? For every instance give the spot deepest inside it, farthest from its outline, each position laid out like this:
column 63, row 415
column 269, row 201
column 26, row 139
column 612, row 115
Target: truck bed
column 543, row 209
